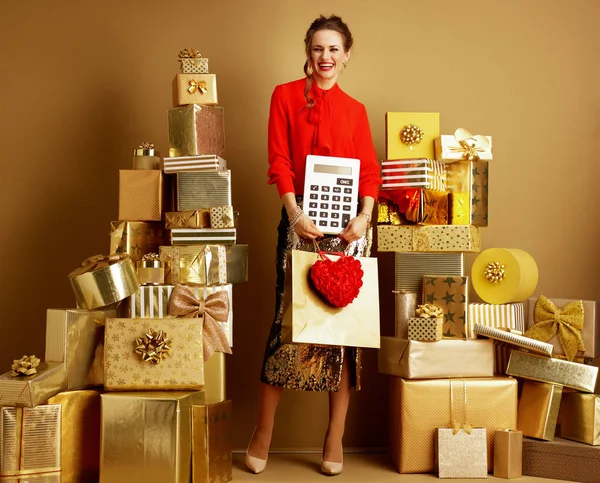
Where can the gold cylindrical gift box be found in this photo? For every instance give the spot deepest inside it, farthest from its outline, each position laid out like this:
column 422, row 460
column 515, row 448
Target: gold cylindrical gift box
column 146, row 157
column 406, row 304
column 151, row 272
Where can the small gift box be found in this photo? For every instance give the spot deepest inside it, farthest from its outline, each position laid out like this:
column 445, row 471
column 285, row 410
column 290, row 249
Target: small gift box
column 104, row 280
column 221, row 217
column 410, row 135
column 196, row 130
column 203, row 236
column 32, row 390
column 150, row 302
column 195, row 89
column 146, row 157
column 580, row 417
column 151, row 270
column 503, row 316
column 206, row 162
column 538, row 409
column 467, row 183
column 463, row 146
column 427, row 326
column 192, row 62
column 451, row 294
column 188, row 219
column 30, row 440
column 140, row 195
column 431, row 238
column 137, row 238
column 514, row 339
column 413, row 173
column 203, row 189
column 462, row 453
column 508, row 454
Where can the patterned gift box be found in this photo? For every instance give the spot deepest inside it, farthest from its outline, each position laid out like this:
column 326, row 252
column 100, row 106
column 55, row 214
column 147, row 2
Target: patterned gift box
column 203, row 189
column 72, row 337
column 148, row 435
column 211, row 443
column 413, row 173
column 432, row 238
column 221, row 217
column 203, row 236
column 462, row 454
column 30, row 440
column 503, row 316
column 396, row 122
column 468, row 185
column 187, row 219
column 538, row 409
column 425, row 329
column 195, row 89
column 413, row 205
column 508, row 454
column 580, row 417
column 150, row 302
column 451, row 294
column 130, row 355
column 137, row 238
column 195, row 130
column 463, row 146
column 140, row 195
column 206, row 162
column 33, row 390
column 514, row 339
column 192, row 62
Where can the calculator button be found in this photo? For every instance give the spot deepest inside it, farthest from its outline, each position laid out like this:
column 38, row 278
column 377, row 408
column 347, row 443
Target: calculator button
column 312, row 213
column 323, row 223
column 335, row 207
column 347, row 190
column 314, row 220
column 325, row 188
column 312, row 204
column 337, row 189
column 335, row 224
column 336, row 198
column 347, row 199
column 335, row 215
column 347, row 207
column 325, row 197
column 323, row 214
column 324, row 206
column 345, row 219
column 314, row 196
column 314, row 187
column 344, row 181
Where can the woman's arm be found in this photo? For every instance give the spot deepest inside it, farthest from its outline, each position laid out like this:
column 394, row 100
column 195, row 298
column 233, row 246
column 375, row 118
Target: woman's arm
column 304, row 226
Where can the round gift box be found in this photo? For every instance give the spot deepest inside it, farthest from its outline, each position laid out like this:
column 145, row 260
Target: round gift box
column 520, row 276
column 146, row 158
column 151, row 272
column 104, row 282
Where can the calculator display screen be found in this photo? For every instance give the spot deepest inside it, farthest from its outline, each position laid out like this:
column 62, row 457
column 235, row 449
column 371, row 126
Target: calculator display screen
column 324, row 168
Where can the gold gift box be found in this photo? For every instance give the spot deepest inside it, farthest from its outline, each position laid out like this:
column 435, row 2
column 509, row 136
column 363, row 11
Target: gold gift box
column 203, row 189
column 527, row 343
column 150, row 302
column 221, row 217
column 420, row 329
column 554, row 371
column 413, row 206
column 147, row 436
column 193, row 62
column 430, row 238
column 498, row 316
column 538, row 409
column 205, row 264
column 31, row 391
column 580, row 417
column 211, row 443
column 434, row 360
column 146, row 157
column 137, row 238
column 468, row 186
column 140, row 195
column 449, row 149
column 80, row 435
column 72, row 337
column 451, row 294
column 195, row 130
column 429, row 122
column 508, row 454
column 41, row 478
column 182, row 369
column 195, row 89
column 188, row 219
column 214, row 378
column 29, row 440
column 461, row 455
column 419, row 407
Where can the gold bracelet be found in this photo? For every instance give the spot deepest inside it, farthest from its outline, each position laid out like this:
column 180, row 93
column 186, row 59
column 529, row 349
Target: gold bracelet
column 366, row 214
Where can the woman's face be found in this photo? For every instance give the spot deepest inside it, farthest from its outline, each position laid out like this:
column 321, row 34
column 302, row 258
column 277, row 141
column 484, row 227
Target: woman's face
column 327, row 56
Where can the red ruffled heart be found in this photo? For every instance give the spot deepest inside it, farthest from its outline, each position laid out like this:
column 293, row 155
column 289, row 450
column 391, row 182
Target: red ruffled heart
column 340, row 281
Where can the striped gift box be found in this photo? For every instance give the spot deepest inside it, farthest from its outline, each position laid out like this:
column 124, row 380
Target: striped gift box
column 413, row 173
column 531, row 345
column 503, row 316
column 207, row 162
column 203, row 236
column 203, row 189
column 150, row 302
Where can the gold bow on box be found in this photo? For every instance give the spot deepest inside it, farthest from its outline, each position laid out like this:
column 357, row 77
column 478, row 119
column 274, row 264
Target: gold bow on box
column 566, row 321
column 153, row 347
column 25, row 366
column 469, row 145
column 98, row 261
column 189, row 54
column 197, row 86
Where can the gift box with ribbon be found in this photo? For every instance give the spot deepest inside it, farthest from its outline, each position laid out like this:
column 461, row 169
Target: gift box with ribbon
column 200, row 89
column 508, row 454
column 430, row 238
column 150, row 270
column 137, row 238
column 203, row 189
column 141, row 195
column 196, row 130
column 451, row 294
column 188, row 219
column 145, row 156
column 463, row 146
column 104, row 280
column 203, row 236
column 413, row 173
column 221, row 217
column 502, row 316
column 30, row 440
column 34, row 386
column 420, row 329
column 538, row 409
column 580, row 417
column 467, row 183
column 410, row 135
column 413, row 206
column 192, row 62
column 205, row 162
column 150, row 302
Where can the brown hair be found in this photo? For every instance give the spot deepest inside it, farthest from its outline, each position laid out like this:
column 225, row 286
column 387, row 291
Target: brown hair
column 323, row 23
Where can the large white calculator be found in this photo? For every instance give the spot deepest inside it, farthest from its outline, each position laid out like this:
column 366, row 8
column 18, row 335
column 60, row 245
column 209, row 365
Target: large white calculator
column 331, row 191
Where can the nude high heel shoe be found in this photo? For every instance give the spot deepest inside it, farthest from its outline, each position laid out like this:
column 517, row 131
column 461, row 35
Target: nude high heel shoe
column 254, row 464
column 330, row 468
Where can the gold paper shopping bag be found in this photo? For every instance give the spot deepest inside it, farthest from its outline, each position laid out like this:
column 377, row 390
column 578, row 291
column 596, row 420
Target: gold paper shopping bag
column 308, row 318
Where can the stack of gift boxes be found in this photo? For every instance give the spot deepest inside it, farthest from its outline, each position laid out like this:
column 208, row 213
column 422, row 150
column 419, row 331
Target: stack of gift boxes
column 136, row 373
column 470, row 380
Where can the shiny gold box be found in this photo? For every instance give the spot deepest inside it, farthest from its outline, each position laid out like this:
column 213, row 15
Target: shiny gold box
column 137, row 238
column 147, row 436
column 461, row 455
column 411, row 206
column 468, row 186
column 195, row 130
column 451, row 294
column 538, row 409
column 72, row 337
column 31, row 391
column 214, row 378
column 150, row 302
column 187, row 219
column 431, row 238
column 580, row 417
column 508, row 454
column 80, row 435
column 29, row 440
column 141, row 195
column 211, row 443
column 195, row 89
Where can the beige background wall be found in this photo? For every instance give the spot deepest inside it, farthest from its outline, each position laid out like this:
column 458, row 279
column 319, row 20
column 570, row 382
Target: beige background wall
column 83, row 83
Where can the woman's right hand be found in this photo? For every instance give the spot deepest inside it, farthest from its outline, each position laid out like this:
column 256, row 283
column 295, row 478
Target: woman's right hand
column 306, row 228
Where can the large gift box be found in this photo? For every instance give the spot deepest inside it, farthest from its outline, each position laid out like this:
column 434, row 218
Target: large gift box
column 80, row 435
column 30, row 440
column 413, row 173
column 205, row 264
column 419, row 407
column 211, row 443
column 580, row 417
column 195, row 89
column 203, row 236
column 503, row 316
column 203, row 189
column 33, row 390
column 429, row 238
column 463, row 146
column 434, row 360
column 137, row 238
column 150, row 302
column 468, row 186
column 187, row 219
column 451, row 294
column 411, row 135
column 538, row 409
column 153, row 354
column 195, row 130
column 205, row 162
column 141, row 195
column 147, row 436
column 72, row 336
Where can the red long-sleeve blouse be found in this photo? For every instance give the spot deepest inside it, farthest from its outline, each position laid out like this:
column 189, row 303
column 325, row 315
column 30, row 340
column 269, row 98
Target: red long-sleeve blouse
column 337, row 125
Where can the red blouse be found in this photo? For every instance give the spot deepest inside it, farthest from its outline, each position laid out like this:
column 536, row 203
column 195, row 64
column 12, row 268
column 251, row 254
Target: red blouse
column 337, row 125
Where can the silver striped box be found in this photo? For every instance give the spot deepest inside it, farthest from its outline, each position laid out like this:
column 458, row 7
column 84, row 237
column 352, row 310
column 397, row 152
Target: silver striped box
column 413, row 173
column 203, row 189
column 203, row 236
column 31, row 391
column 501, row 316
column 531, row 345
column 207, row 162
column 150, row 301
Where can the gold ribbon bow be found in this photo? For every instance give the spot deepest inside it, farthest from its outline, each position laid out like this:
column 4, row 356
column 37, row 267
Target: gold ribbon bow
column 153, row 347
column 98, row 261
column 467, row 428
column 214, row 309
column 567, row 321
column 151, row 257
column 146, row 145
column 25, row 366
column 189, row 54
column 454, row 405
column 197, row 86
column 470, row 145
column 429, row 311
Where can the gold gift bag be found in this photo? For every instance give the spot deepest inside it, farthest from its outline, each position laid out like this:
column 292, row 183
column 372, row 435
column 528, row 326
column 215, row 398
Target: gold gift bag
column 307, row 318
column 195, row 89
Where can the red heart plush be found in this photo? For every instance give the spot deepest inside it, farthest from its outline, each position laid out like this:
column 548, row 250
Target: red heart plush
column 340, row 281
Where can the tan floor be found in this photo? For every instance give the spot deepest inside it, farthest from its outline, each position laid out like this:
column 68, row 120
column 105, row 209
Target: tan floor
column 358, row 468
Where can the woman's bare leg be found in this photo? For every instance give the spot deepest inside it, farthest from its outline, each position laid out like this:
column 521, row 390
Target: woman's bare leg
column 267, row 405
column 338, row 407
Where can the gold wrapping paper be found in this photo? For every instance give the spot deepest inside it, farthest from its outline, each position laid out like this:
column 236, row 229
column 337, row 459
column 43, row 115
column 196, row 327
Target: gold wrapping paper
column 538, row 409
column 429, row 122
column 151, row 272
column 31, row 391
column 554, row 371
column 41, row 478
column 508, row 454
column 221, row 217
column 148, row 435
column 580, row 417
column 101, row 285
column 203, row 162
column 146, row 157
column 591, row 325
column 462, row 455
column 125, row 370
column 406, row 303
column 531, row 345
column 420, row 329
column 459, row 209
column 72, row 337
column 214, row 378
column 140, row 195
column 419, row 407
column 205, row 264
column 188, row 219
column 29, row 440
column 203, row 236
column 137, row 238
column 430, row 238
column 413, row 173
column 428, row 360
column 80, row 435
column 150, row 302
column 203, row 189
column 211, row 443
column 479, row 188
column 462, row 145
column 504, row 316
column 468, row 186
column 451, row 294
column 195, row 89
column 195, row 130
column 193, row 64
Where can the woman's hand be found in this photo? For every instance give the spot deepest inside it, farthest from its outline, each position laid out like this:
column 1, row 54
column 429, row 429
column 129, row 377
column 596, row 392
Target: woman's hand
column 305, row 228
column 355, row 229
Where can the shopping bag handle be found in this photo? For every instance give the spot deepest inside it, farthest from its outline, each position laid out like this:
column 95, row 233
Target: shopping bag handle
column 323, row 254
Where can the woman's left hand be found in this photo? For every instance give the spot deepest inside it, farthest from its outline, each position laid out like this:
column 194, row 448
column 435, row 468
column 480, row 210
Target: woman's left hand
column 355, row 229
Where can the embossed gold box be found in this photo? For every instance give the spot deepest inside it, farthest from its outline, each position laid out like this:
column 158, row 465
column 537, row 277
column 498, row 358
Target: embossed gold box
column 195, row 130
column 141, row 195
column 430, row 238
column 195, row 89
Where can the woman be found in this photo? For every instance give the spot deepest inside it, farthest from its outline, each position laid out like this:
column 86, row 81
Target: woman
column 314, row 116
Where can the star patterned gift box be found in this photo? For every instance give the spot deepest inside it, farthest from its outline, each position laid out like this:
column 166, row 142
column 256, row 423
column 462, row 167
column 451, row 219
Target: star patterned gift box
column 450, row 293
